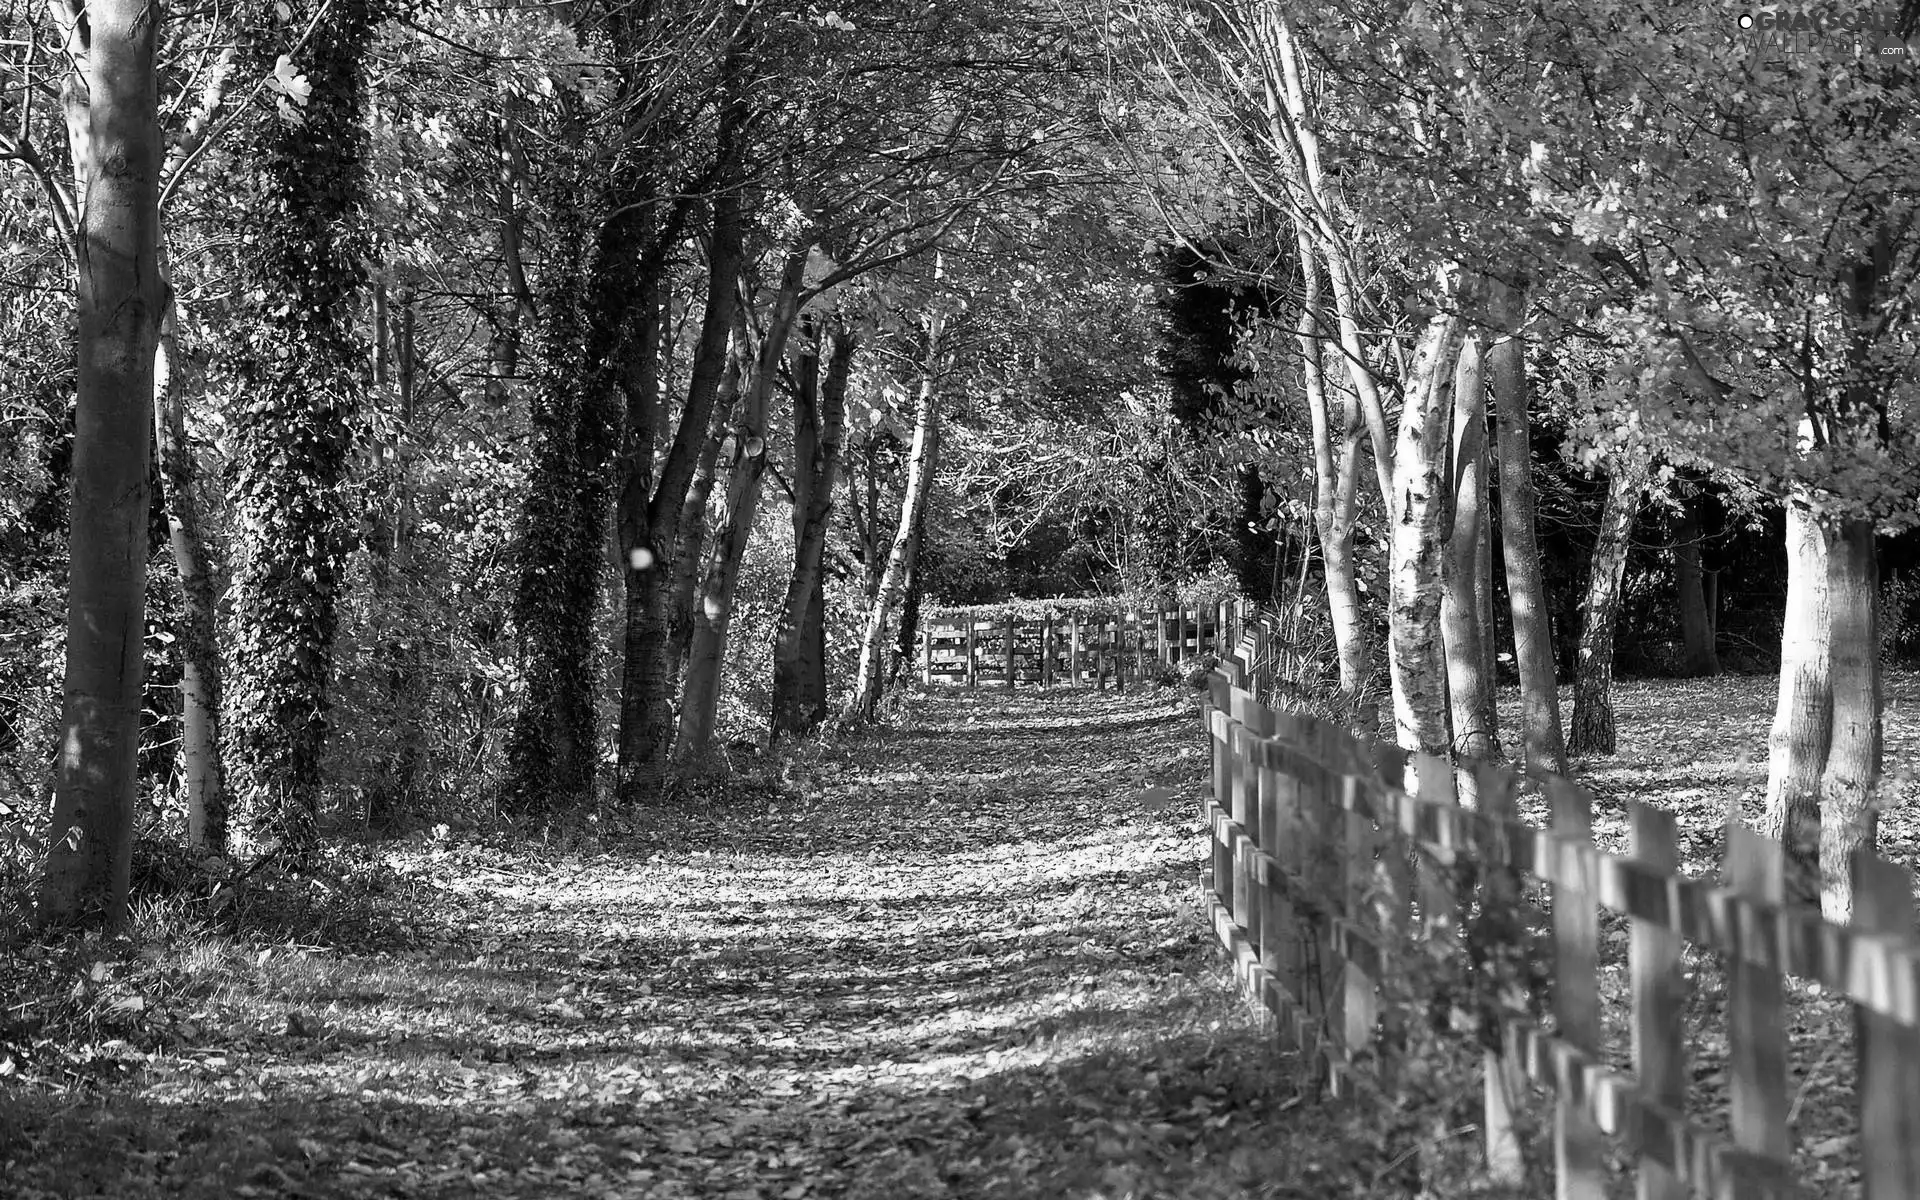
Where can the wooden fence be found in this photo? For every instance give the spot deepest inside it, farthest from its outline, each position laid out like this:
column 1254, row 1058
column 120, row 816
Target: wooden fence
column 1332, row 854
column 1069, row 648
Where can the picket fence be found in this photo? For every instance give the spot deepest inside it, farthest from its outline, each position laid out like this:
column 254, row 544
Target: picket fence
column 1070, row 649
column 1333, row 853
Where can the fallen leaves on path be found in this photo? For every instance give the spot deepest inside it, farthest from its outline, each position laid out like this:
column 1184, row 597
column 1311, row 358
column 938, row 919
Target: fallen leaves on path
column 956, row 959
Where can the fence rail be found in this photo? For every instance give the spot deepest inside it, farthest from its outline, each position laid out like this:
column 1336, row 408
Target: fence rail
column 1331, row 853
column 1069, row 649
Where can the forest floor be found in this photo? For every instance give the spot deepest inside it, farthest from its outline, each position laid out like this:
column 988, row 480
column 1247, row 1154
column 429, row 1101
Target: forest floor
column 959, row 958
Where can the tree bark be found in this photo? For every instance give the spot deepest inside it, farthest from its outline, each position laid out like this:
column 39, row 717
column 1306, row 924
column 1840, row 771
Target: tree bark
column 692, row 545
column 1544, row 747
column 1469, row 685
column 203, row 773
column 1336, row 471
column 1696, row 622
column 700, row 700
column 799, row 660
column 1802, row 728
column 1418, row 540
column 865, row 699
column 1593, row 728
column 1849, row 821
column 117, row 156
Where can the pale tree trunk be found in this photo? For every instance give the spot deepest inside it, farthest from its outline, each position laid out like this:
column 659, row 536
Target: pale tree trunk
column 117, row 153
column 1544, row 747
column 799, row 661
column 700, row 701
column 1802, row 729
column 1848, row 819
column 1469, row 686
column 1696, row 622
column 906, row 637
column 1336, row 473
column 202, row 773
column 1593, row 730
column 893, row 580
column 1418, row 541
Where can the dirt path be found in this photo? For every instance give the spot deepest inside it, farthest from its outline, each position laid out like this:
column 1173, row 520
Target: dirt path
column 953, row 961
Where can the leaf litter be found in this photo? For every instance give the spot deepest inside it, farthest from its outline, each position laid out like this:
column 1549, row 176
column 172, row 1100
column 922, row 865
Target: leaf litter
column 961, row 957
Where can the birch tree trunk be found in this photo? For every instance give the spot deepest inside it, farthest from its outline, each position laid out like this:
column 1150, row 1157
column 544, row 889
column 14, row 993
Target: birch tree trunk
column 1544, row 747
column 1336, row 473
column 1797, row 743
column 1469, row 686
column 117, row 154
column 799, row 660
column 893, row 579
column 1593, row 729
column 700, row 697
column 1418, row 541
column 202, row 772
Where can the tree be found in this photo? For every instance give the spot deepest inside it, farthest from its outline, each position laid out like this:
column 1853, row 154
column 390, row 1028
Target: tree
column 298, row 374
column 117, row 154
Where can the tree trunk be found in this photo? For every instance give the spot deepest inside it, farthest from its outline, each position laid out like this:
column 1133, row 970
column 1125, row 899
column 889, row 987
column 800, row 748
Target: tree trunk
column 1418, row 540
column 799, row 659
column 907, row 636
column 304, row 370
column 893, row 580
column 1469, row 685
column 399, row 657
column 202, row 772
column 656, row 529
column 700, row 700
column 1797, row 744
column 117, row 155
column 690, row 555
column 1696, row 622
column 1593, row 731
column 1849, row 821
column 1520, row 550
column 1336, row 463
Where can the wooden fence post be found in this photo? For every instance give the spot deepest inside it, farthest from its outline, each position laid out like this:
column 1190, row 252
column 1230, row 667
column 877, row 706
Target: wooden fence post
column 1659, row 1001
column 1220, row 628
column 1073, row 651
column 1500, row 900
column 926, row 656
column 1008, row 648
column 1046, row 650
column 1578, row 1150
column 1120, row 654
column 1756, row 1022
column 1889, row 1052
column 1160, row 637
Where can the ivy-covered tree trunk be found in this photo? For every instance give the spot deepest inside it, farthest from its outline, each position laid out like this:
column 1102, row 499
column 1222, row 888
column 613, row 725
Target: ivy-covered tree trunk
column 1469, row 685
column 712, row 621
column 1418, row 540
column 1543, row 744
column 1593, row 727
column 552, row 748
column 203, row 772
column 302, row 376
column 799, row 651
column 117, row 153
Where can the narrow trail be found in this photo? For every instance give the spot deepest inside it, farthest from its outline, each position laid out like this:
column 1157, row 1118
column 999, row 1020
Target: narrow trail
column 953, row 960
